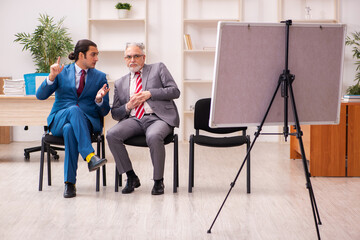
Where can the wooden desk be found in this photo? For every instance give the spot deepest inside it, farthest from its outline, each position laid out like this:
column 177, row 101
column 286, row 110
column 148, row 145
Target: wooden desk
column 29, row 111
column 353, row 139
column 332, row 150
column 24, row 110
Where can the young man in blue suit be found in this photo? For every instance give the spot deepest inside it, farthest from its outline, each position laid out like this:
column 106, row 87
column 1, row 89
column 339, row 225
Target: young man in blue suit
column 143, row 105
column 81, row 100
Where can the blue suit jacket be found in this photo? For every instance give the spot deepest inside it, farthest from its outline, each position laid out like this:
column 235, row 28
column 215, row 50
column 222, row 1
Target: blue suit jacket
column 66, row 96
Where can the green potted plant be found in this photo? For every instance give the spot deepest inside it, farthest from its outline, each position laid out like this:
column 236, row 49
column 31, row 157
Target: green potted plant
column 123, row 9
column 354, row 41
column 49, row 41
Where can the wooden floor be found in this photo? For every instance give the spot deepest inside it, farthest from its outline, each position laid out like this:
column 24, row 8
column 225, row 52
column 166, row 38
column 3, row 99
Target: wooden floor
column 277, row 208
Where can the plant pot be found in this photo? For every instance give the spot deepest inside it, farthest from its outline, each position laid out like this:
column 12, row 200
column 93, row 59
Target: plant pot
column 123, row 13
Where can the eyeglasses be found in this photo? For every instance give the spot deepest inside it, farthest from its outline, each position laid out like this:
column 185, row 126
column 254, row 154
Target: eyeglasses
column 136, row 57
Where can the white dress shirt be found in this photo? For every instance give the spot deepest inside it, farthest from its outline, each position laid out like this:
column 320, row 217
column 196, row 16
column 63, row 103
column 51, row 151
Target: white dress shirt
column 147, row 108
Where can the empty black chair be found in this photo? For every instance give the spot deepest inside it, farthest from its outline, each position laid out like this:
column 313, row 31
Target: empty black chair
column 201, row 122
column 49, row 140
column 140, row 141
column 52, row 149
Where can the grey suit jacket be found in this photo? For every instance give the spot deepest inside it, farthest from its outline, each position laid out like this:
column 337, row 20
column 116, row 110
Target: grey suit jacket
column 156, row 79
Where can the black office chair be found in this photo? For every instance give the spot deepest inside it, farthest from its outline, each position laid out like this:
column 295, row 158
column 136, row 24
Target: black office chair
column 53, row 150
column 140, row 141
column 201, row 122
column 48, row 140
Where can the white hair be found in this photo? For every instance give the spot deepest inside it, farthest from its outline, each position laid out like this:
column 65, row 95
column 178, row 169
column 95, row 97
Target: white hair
column 139, row 45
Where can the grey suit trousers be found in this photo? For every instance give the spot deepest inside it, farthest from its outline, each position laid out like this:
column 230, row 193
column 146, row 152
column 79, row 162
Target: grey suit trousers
column 155, row 131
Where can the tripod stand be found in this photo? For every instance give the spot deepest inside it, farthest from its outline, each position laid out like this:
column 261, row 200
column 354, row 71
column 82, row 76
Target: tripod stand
column 285, row 81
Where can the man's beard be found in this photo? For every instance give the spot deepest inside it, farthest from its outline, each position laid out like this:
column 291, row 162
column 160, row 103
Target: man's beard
column 135, row 68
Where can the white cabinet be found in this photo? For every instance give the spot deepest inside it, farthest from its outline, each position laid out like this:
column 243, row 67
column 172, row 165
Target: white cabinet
column 111, row 33
column 199, row 20
column 316, row 11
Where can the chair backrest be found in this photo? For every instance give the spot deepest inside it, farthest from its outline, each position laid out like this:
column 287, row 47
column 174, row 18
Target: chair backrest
column 202, row 115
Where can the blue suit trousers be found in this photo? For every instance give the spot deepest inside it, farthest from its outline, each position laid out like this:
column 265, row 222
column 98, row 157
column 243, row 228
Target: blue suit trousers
column 73, row 125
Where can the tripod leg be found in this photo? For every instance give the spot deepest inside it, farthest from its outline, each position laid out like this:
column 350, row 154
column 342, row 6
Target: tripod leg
column 311, row 192
column 233, row 183
column 248, row 172
column 316, row 209
column 306, row 171
column 247, row 154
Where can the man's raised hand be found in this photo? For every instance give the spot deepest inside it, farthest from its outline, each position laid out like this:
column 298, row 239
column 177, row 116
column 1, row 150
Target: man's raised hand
column 55, row 69
column 101, row 93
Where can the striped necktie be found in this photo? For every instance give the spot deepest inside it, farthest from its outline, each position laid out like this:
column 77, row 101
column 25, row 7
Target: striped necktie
column 139, row 110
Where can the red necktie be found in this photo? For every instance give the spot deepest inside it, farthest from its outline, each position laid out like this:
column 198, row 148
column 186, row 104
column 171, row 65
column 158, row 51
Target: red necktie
column 82, row 83
column 139, row 110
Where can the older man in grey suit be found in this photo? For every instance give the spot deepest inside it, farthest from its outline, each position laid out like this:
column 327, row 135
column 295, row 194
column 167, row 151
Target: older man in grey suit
column 143, row 104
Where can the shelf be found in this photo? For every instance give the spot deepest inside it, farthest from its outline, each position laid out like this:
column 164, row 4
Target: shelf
column 324, row 11
column 111, row 33
column 199, row 51
column 111, row 50
column 197, row 81
column 211, row 9
column 209, row 20
column 117, row 20
column 200, row 20
column 315, row 21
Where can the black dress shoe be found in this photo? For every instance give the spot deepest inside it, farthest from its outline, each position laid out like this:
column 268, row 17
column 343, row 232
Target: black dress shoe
column 95, row 163
column 70, row 190
column 131, row 184
column 158, row 188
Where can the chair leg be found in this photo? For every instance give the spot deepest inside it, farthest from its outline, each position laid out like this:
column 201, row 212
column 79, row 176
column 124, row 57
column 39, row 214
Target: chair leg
column 53, row 152
column 103, row 156
column 27, row 152
column 41, row 164
column 191, row 164
column 104, row 175
column 116, row 180
column 48, row 163
column 248, row 185
column 176, row 164
column 98, row 170
column 120, row 180
column 98, row 179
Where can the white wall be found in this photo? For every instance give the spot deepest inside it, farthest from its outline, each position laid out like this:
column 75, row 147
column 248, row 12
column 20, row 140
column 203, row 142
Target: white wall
column 21, row 16
column 164, row 35
column 349, row 14
column 14, row 19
